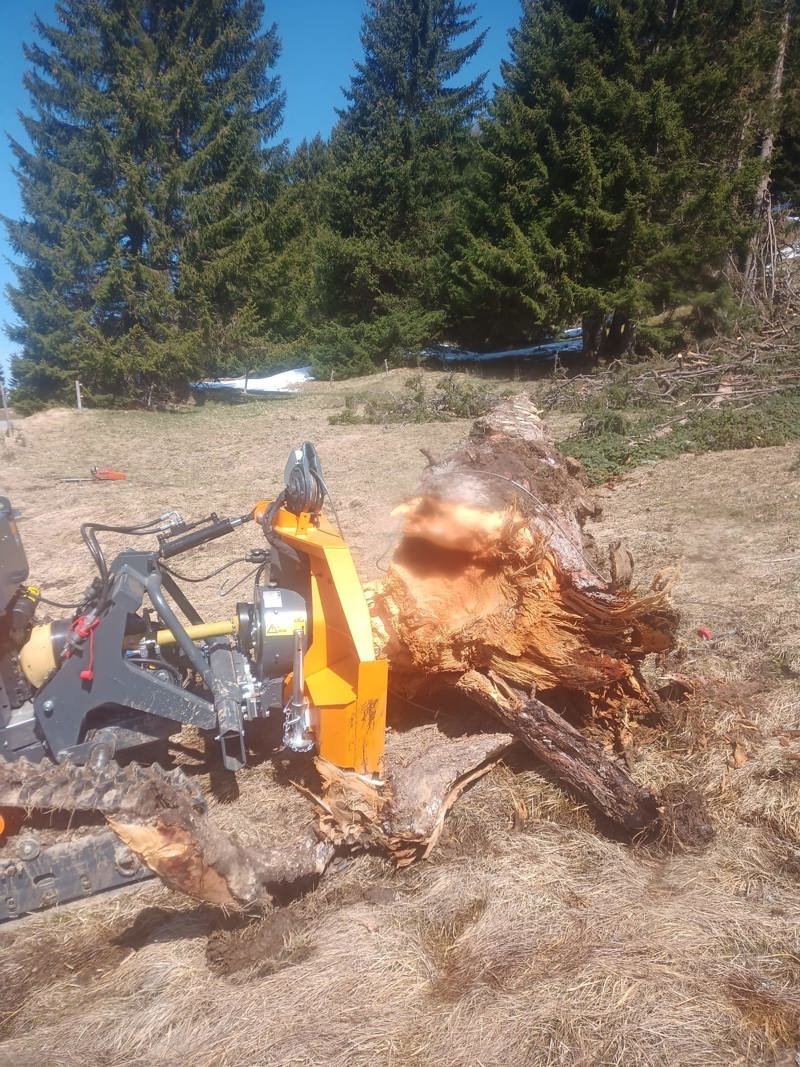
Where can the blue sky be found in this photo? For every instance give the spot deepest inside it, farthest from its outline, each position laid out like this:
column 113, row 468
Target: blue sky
column 320, row 42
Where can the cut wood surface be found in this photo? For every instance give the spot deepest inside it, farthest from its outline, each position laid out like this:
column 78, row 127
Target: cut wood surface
column 491, row 573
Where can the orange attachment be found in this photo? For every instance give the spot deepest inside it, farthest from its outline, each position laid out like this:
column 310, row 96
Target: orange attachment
column 347, row 686
column 259, row 512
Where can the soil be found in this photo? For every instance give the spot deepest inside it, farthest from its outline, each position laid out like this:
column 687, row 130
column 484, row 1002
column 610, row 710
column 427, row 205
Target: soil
column 263, row 946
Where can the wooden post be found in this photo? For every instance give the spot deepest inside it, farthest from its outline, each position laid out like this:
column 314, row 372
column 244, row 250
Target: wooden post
column 386, row 366
column 78, row 396
column 9, row 427
column 246, row 380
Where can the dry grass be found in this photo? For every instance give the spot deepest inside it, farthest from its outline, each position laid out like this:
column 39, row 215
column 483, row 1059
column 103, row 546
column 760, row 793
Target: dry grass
column 524, row 941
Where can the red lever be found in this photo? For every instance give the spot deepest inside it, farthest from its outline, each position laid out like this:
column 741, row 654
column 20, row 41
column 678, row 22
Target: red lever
column 86, row 629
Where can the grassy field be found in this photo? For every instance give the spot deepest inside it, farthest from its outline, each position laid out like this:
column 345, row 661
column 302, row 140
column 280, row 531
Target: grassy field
column 533, row 942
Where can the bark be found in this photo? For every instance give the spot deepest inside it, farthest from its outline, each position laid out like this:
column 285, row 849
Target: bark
column 591, row 331
column 761, row 202
column 775, row 92
column 618, row 337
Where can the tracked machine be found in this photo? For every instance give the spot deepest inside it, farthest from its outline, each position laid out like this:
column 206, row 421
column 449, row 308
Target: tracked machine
column 86, row 700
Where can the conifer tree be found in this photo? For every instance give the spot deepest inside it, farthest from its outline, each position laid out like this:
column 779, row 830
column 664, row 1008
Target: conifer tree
column 614, row 165
column 278, row 260
column 398, row 157
column 147, row 142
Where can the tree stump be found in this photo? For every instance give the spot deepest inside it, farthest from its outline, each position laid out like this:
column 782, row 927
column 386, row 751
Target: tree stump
column 492, row 589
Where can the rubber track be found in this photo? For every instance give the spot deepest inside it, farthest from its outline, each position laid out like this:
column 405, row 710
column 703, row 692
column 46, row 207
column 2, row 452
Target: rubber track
column 127, row 791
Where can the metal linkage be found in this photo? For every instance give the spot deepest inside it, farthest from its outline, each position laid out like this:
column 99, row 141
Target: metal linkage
column 33, row 878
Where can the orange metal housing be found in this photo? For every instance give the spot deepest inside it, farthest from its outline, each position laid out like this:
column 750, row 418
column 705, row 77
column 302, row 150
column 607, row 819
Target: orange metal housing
column 346, row 685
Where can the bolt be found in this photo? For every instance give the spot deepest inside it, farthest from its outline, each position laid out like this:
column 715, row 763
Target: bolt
column 28, row 848
column 48, row 707
column 126, row 862
column 49, row 898
column 100, row 755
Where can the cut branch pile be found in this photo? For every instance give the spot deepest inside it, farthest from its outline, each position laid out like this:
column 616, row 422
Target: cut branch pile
column 733, row 372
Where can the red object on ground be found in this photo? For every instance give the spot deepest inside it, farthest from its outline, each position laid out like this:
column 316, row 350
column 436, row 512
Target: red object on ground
column 106, row 474
column 704, row 632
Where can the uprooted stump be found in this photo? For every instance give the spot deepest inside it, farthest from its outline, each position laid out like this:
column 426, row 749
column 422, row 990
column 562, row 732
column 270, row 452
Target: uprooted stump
column 491, row 590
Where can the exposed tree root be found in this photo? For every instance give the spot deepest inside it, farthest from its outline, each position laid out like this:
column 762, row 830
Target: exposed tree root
column 425, row 773
column 572, row 758
column 161, row 817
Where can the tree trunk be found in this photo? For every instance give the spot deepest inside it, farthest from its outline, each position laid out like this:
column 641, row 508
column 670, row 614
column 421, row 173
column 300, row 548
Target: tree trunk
column 761, row 203
column 578, row 763
column 618, row 338
column 592, row 331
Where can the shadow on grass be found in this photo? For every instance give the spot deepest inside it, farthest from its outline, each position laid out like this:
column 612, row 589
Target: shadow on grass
column 225, row 397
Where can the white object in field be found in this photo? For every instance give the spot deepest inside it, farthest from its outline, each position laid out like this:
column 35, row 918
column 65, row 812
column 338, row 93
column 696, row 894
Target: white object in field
column 284, row 382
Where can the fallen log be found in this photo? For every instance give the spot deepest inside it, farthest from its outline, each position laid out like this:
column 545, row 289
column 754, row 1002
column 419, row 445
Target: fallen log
column 580, row 764
column 492, row 590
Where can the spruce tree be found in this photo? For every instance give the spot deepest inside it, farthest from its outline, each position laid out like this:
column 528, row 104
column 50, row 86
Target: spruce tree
column 399, row 153
column 614, row 165
column 147, row 142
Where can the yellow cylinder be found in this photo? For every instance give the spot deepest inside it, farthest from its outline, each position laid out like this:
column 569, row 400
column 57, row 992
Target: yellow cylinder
column 198, row 632
column 36, row 657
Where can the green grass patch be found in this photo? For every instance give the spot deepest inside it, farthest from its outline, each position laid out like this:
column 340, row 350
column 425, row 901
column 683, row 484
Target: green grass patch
column 451, row 397
column 611, row 441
